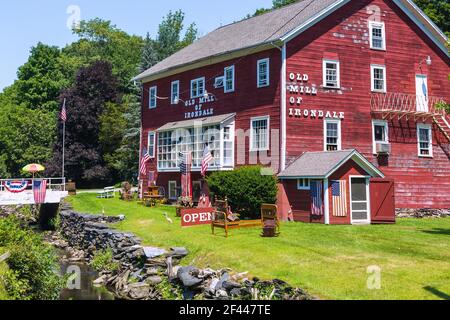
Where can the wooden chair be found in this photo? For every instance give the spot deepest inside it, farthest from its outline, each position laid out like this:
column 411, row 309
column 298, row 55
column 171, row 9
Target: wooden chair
column 269, row 217
column 220, row 217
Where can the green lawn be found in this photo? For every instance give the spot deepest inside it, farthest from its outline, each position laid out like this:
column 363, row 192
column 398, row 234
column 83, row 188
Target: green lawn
column 329, row 261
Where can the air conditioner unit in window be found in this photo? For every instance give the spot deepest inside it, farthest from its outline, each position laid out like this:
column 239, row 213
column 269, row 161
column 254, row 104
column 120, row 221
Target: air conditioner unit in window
column 219, row 83
column 383, row 148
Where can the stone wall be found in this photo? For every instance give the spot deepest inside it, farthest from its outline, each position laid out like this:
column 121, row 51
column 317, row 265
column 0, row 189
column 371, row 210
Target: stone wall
column 423, row 213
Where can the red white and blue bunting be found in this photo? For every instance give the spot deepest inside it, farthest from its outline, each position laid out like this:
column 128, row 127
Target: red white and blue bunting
column 16, row 186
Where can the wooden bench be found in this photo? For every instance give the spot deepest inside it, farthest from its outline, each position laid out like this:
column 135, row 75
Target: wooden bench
column 221, row 219
column 107, row 193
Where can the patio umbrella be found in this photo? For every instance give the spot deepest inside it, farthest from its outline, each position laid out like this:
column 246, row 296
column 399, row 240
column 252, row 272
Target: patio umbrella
column 33, row 168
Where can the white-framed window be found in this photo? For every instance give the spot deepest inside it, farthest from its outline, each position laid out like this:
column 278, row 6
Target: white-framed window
column 303, row 184
column 377, row 35
column 378, row 78
column 332, row 134
column 173, row 190
column 259, row 133
column 151, row 144
column 153, row 97
column 229, row 79
column 263, row 73
column 175, row 92
column 197, row 87
column 380, row 134
column 194, row 140
column 331, row 74
column 425, row 140
column 228, row 146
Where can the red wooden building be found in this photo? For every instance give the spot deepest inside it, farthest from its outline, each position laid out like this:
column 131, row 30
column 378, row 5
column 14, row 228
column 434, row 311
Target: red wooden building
column 338, row 97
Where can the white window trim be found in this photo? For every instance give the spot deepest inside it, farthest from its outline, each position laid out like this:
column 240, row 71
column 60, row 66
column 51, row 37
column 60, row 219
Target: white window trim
column 372, row 79
column 383, row 34
column 222, row 142
column 204, row 87
column 267, row 61
column 154, row 144
column 268, row 133
column 338, row 72
column 225, row 79
column 172, row 182
column 339, row 142
column 150, row 97
column 177, row 82
column 307, row 181
column 430, row 128
column 386, row 132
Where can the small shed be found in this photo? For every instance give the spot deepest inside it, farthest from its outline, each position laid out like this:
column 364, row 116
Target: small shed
column 337, row 187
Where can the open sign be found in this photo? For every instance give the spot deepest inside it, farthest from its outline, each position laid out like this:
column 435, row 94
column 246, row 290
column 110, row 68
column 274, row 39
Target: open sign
column 196, row 217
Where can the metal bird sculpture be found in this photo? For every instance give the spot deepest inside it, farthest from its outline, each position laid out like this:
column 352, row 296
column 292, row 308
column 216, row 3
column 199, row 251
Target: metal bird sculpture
column 167, row 218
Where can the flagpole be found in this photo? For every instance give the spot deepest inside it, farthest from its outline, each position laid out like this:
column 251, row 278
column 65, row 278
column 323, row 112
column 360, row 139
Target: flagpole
column 63, row 144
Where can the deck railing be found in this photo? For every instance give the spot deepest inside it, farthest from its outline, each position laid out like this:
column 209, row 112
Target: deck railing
column 53, row 184
column 406, row 103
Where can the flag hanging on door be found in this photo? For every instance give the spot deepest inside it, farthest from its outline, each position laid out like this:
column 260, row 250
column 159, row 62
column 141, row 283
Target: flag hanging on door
column 339, row 198
column 316, row 198
column 185, row 169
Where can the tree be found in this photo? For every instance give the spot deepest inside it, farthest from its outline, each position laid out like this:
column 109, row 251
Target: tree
column 149, row 54
column 95, row 86
column 26, row 136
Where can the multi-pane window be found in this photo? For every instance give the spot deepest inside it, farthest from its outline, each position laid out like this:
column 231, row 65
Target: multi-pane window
column 424, row 140
column 152, row 97
column 228, row 146
column 332, row 135
column 303, row 184
column 331, row 74
column 263, row 75
column 378, row 78
column 377, row 35
column 259, row 134
column 175, row 92
column 197, row 87
column 229, row 79
column 151, row 144
column 194, row 140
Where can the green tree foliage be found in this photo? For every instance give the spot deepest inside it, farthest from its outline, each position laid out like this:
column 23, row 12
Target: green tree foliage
column 94, row 88
column 33, row 266
column 26, row 136
column 149, row 54
column 246, row 189
column 438, row 11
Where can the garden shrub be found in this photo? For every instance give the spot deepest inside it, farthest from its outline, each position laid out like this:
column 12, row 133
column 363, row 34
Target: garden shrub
column 33, row 264
column 103, row 261
column 246, row 189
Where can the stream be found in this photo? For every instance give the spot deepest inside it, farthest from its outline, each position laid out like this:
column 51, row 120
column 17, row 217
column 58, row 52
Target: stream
column 82, row 284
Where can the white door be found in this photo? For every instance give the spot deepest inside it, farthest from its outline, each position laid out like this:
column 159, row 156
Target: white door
column 422, row 93
column 360, row 204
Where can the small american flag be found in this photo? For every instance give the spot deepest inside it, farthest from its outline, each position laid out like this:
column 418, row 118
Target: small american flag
column 185, row 169
column 207, row 158
column 144, row 160
column 63, row 114
column 316, row 198
column 39, row 191
column 339, row 196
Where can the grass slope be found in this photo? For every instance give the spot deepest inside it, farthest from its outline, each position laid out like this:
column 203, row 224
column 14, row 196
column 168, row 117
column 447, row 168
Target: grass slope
column 329, row 261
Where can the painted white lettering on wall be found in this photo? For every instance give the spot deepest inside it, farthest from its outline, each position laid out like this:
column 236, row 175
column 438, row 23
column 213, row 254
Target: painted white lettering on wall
column 199, row 111
column 298, row 87
column 315, row 114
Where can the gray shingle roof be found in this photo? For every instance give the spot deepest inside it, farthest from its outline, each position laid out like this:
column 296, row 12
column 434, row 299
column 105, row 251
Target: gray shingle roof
column 193, row 122
column 322, row 164
column 251, row 32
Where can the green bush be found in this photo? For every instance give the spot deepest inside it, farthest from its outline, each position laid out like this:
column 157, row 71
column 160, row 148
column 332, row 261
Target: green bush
column 103, row 261
column 246, row 189
column 33, row 263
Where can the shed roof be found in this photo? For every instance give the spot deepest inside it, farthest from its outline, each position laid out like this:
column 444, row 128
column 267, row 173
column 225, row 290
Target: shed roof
column 197, row 122
column 275, row 26
column 321, row 165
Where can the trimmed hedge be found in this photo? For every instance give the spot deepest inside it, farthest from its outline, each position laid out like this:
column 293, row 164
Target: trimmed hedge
column 246, row 188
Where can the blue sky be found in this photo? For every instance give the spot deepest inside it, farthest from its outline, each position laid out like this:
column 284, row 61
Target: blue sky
column 24, row 23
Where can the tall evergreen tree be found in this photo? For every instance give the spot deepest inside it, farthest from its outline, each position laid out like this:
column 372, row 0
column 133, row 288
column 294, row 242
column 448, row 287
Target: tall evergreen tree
column 149, row 54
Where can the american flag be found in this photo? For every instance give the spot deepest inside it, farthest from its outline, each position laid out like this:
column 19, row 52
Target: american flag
column 339, row 196
column 316, row 198
column 144, row 160
column 64, row 112
column 185, row 169
column 207, row 158
column 39, row 191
